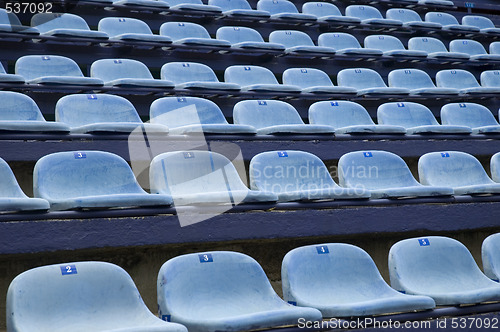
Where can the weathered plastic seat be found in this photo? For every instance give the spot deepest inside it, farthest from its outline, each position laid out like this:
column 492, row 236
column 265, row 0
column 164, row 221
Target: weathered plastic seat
column 239, row 9
column 10, row 23
column 489, row 78
column 133, row 4
column 64, row 25
column 371, row 16
column 435, row 49
column 190, row 34
column 367, row 82
column 130, row 30
column 284, row 10
column 194, row 76
column 477, row 117
column 495, row 167
column 345, row 44
column 449, row 22
column 464, row 81
column 418, row 82
column 328, row 13
column 244, row 38
column 474, row 48
column 194, row 7
column 410, row 19
column 9, row 78
column 490, row 255
column 256, row 78
column 482, row 22
column 391, row 46
column 313, row 80
column 298, row 42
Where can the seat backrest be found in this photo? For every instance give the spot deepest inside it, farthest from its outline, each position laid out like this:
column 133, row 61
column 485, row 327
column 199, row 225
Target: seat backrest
column 277, row 6
column 467, row 114
column 115, row 26
column 338, row 114
column 181, row 2
column 248, row 75
column 402, row 14
column 456, row 78
column 306, row 77
column 8, row 18
column 49, row 21
column 406, row 114
column 183, row 173
column 265, row 113
column 410, row 78
column 362, row 12
column 18, row 106
column 451, row 169
column 74, row 174
column 338, row 40
column 490, row 250
column 8, row 185
column 290, row 38
column 360, row 78
column 181, row 30
column 226, row 5
column 82, row 109
column 426, row 44
column 383, row 43
column 35, row 66
column 490, row 78
column 182, row 111
column 101, row 293
column 478, row 21
column 320, row 9
column 495, row 48
column 113, row 69
column 236, row 35
column 467, row 46
column 288, row 171
column 441, row 18
column 374, row 170
column 182, row 72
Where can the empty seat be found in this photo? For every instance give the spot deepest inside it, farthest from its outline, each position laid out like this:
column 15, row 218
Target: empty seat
column 239, row 9
column 201, row 177
column 104, row 298
column 126, row 73
column 441, row 268
column 284, row 10
column 194, row 76
column 345, row 44
column 495, row 48
column 10, row 23
column 348, row 117
column 418, row 81
column 194, row 6
column 275, row 117
column 444, row 3
column 490, row 253
column 371, row 16
column 243, row 38
column 410, row 19
column 65, row 25
column 367, row 82
column 489, row 78
column 435, row 49
column 53, row 70
column 449, row 22
column 188, row 115
column 90, row 180
column 416, row 118
column 313, row 80
column 328, row 13
column 298, row 42
column 482, row 22
column 459, row 170
column 464, row 81
column 141, row 3
column 306, row 178
column 9, row 78
column 130, row 30
column 495, row 167
column 385, row 175
column 101, row 113
column 474, row 48
column 237, row 295
column 391, row 46
column 476, row 116
column 342, row 280
column 256, row 78
column 190, row 34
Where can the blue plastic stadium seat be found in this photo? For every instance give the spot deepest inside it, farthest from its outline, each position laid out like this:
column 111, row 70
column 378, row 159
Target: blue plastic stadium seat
column 476, row 116
column 342, row 280
column 474, row 48
column 345, row 44
column 53, row 70
column 65, row 25
column 416, row 118
column 441, row 268
column 418, row 81
column 141, row 3
column 275, row 117
column 90, row 180
column 236, row 296
column 189, row 115
column 348, row 117
column 367, row 82
column 435, row 49
column 490, row 253
column 239, row 9
column 258, row 79
column 194, row 76
column 88, row 296
column 385, row 175
column 284, row 10
column 495, row 48
column 243, row 38
column 410, row 19
column 194, row 6
column 328, row 13
column 130, row 30
column 10, row 23
column 459, row 170
column 449, row 22
column 297, row 176
column 9, row 78
column 201, row 177
column 126, row 73
column 391, row 46
column 464, row 81
column 313, row 80
column 190, row 34
column 495, row 167
column 102, row 113
column 489, row 78
column 371, row 16
column 482, row 22
column 443, row 3
column 298, row 42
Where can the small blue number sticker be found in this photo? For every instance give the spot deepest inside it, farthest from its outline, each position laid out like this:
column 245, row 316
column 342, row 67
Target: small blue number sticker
column 188, row 155
column 401, row 104
column 462, row 105
column 121, row 20
column 303, row 71
column 381, row 37
column 445, row 155
column 288, row 32
column 185, row 65
column 425, row 40
column 357, row 71
column 407, row 71
column 464, row 42
column 45, row 58
column 92, row 97
column 424, row 242
column 282, row 154
column 205, row 258
column 367, row 154
column 180, row 24
column 247, row 68
column 453, row 72
column 181, row 99
column 496, row 73
column 166, row 318
column 236, row 28
column 292, row 303
column 322, row 250
column 80, row 155
column 334, row 103
column 68, row 269
column 262, row 102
